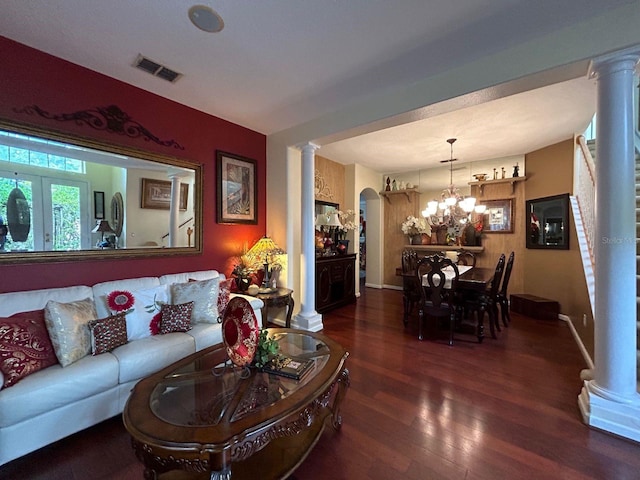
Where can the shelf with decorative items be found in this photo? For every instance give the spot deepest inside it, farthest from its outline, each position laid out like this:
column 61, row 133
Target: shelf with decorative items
column 406, row 191
column 444, row 248
column 512, row 180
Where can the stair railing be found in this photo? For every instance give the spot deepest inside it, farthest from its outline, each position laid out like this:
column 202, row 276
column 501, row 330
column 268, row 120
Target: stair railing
column 584, row 189
column 584, row 212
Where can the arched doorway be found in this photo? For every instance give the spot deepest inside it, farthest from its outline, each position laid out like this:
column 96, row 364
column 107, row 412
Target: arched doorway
column 370, row 240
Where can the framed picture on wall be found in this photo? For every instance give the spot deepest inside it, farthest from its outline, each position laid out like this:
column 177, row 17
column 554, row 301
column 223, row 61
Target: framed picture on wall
column 237, row 187
column 98, row 205
column 498, row 217
column 157, row 194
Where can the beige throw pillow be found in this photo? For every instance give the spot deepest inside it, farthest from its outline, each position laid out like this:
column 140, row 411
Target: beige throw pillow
column 203, row 294
column 67, row 324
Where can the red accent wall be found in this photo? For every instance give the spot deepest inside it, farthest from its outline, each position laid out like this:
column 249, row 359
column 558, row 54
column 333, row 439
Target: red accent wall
column 31, row 77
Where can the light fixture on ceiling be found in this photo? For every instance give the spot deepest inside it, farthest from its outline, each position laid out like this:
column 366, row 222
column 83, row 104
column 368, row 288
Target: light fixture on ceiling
column 453, row 208
column 206, row 19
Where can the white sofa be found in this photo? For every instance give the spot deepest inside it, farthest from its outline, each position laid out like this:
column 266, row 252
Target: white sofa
column 55, row 402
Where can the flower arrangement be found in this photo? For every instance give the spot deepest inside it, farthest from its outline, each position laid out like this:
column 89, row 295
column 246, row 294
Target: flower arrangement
column 415, row 226
column 347, row 219
column 245, row 267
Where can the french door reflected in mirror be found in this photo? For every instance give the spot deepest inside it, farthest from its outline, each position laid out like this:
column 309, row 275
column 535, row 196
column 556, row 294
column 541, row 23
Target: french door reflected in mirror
column 58, row 211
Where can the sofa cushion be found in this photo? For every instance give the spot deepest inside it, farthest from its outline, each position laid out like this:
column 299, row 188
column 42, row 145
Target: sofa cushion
column 186, row 276
column 139, row 306
column 176, row 318
column 67, row 324
column 204, row 295
column 56, row 386
column 25, row 346
column 206, row 334
column 148, row 355
column 108, row 333
column 15, row 302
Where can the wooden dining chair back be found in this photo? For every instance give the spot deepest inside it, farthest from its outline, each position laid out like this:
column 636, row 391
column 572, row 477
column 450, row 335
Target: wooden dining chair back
column 466, row 258
column 437, row 296
column 490, row 300
column 410, row 286
column 503, row 299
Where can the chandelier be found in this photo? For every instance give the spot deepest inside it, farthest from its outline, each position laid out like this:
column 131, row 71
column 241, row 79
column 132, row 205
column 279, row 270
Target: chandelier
column 453, row 208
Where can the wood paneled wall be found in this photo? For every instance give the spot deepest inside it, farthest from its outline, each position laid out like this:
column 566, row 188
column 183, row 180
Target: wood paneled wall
column 397, row 207
column 496, row 243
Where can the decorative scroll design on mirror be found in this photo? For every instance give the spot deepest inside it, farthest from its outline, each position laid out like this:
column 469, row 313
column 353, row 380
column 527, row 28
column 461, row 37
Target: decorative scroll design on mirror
column 321, row 186
column 111, row 118
column 109, row 168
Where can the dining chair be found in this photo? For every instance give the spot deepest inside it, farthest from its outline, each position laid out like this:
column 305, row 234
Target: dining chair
column 465, row 257
column 410, row 286
column 437, row 297
column 503, row 299
column 489, row 300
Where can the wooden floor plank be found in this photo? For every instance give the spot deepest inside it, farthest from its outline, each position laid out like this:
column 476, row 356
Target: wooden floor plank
column 506, row 408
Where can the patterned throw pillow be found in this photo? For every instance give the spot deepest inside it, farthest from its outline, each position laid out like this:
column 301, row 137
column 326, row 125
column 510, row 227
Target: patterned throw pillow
column 204, row 295
column 176, row 318
column 25, row 346
column 67, row 324
column 108, row 333
column 140, row 308
column 223, row 296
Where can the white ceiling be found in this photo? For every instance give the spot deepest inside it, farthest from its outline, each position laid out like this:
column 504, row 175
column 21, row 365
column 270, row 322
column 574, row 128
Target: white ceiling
column 278, row 64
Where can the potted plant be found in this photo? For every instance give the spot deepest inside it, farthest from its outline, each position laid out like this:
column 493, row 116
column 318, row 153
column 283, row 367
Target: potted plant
column 243, row 272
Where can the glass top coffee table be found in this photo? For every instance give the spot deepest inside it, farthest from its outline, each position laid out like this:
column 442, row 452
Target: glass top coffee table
column 200, row 419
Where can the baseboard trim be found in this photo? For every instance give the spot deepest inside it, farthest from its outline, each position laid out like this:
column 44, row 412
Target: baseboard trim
column 578, row 340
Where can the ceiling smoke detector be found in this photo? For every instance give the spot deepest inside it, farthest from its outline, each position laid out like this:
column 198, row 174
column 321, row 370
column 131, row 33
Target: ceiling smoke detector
column 206, row 19
column 156, row 69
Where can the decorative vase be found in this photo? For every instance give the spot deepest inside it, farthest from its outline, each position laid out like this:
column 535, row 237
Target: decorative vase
column 441, row 235
column 243, row 283
column 343, row 247
column 415, row 239
column 426, row 239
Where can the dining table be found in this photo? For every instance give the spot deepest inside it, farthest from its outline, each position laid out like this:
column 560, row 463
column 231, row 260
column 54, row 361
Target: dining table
column 472, row 283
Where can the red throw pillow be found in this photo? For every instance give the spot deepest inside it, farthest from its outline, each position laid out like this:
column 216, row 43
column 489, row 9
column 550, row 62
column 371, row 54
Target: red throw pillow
column 176, row 318
column 224, row 295
column 108, row 333
column 25, row 346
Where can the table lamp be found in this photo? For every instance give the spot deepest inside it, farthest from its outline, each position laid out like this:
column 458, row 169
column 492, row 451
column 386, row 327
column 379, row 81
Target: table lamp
column 261, row 251
column 103, row 227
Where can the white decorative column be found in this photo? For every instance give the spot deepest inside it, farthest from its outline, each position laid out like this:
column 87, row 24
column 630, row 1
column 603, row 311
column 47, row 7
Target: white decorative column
column 174, row 209
column 308, row 318
column 610, row 401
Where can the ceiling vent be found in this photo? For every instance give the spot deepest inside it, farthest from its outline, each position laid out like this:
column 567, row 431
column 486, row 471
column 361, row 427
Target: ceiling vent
column 156, row 69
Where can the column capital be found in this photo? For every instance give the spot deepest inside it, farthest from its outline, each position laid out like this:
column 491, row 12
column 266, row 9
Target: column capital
column 626, row 59
column 307, row 146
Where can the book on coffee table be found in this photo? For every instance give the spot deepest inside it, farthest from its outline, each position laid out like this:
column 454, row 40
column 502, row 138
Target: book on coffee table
column 292, row 368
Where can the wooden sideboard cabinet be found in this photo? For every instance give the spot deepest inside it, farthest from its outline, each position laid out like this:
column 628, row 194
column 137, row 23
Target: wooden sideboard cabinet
column 335, row 282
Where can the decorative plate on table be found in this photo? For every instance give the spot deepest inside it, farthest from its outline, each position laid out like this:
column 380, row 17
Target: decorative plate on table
column 240, row 331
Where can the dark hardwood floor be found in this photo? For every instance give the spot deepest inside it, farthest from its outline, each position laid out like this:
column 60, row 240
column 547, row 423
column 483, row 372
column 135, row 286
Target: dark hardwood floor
column 505, row 409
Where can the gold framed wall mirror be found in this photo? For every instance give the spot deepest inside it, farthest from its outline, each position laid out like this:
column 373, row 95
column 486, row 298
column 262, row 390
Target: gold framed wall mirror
column 53, row 177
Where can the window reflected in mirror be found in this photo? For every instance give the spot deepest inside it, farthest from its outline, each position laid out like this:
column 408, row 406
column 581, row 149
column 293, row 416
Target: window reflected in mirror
column 47, row 194
column 548, row 222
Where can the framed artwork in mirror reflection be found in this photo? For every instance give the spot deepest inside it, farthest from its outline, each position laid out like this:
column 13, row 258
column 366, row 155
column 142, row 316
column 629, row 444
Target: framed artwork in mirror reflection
column 548, row 222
